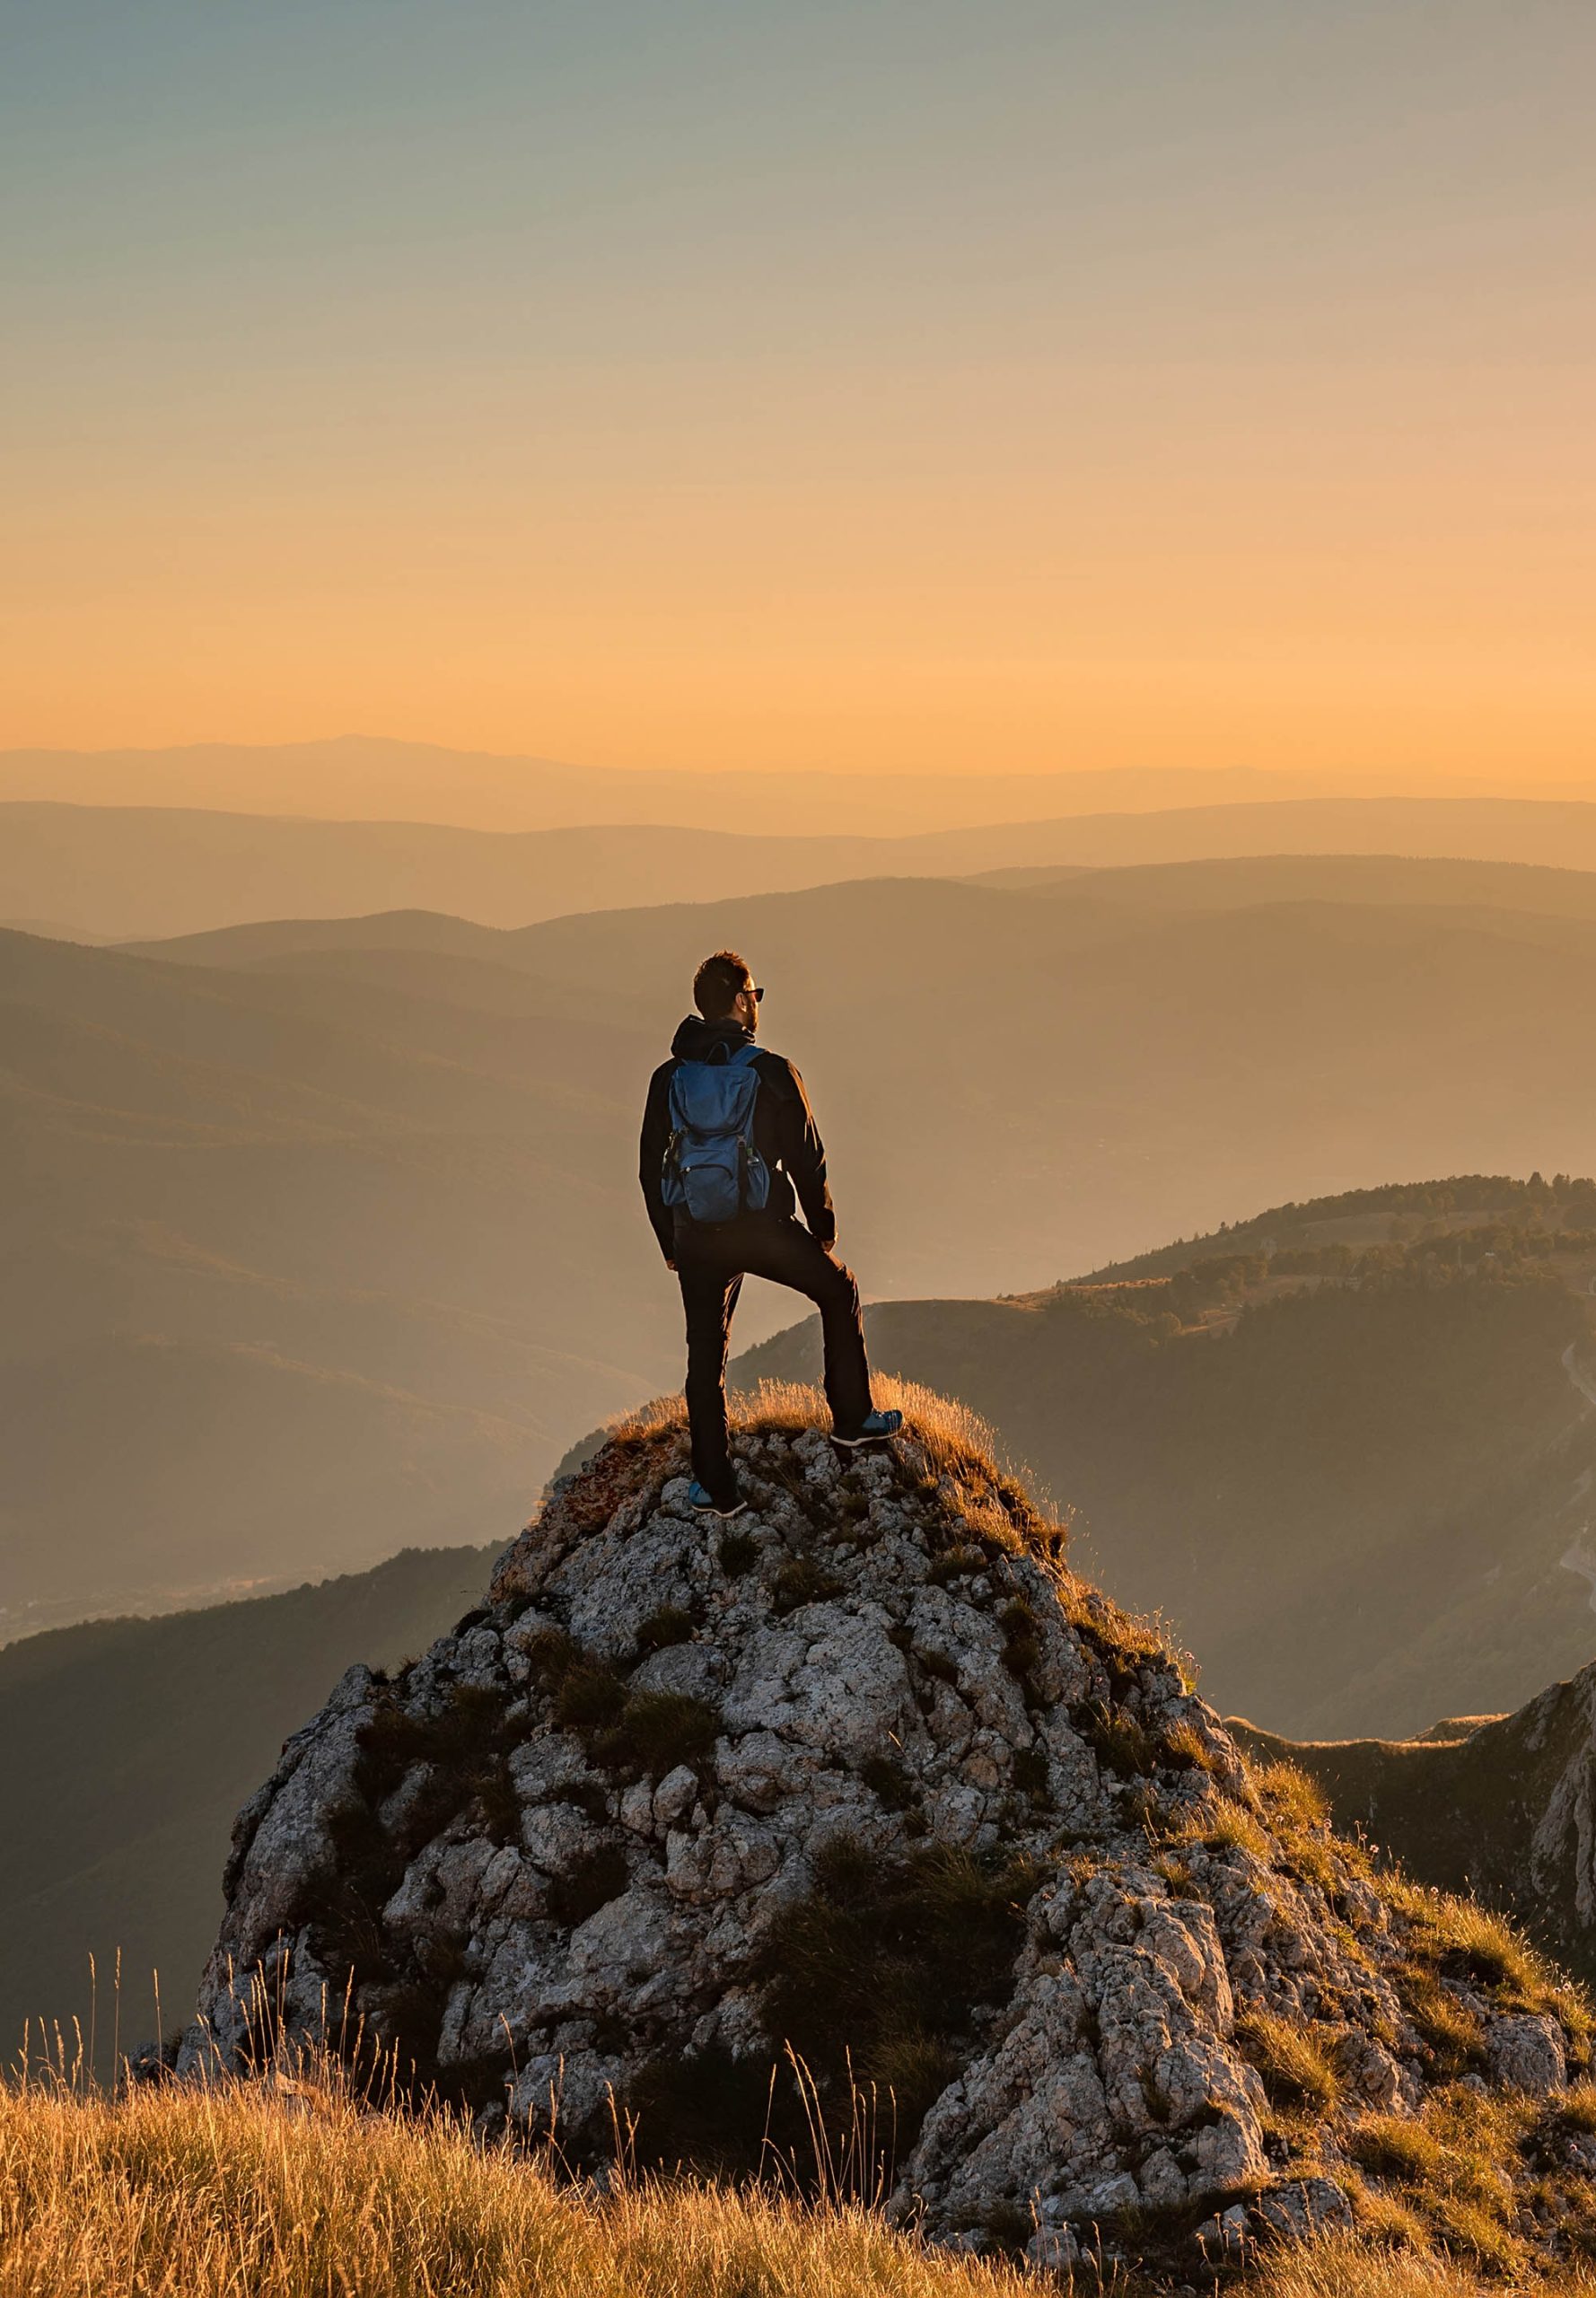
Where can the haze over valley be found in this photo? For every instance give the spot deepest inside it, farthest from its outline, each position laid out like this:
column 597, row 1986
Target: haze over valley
column 329, row 1234
column 141, row 873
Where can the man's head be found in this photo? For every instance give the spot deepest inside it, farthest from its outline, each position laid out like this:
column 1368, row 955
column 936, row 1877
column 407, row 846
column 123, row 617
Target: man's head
column 723, row 990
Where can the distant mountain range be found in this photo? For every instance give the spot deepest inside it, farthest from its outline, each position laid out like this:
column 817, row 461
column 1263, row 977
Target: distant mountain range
column 318, row 1239
column 129, row 873
column 365, row 778
column 1347, row 1449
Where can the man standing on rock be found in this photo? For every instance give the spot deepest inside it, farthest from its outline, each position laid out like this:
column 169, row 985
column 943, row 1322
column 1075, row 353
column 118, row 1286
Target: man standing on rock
column 730, row 1151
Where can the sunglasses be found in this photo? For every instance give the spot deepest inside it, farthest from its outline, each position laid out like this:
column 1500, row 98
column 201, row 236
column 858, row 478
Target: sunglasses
column 748, row 990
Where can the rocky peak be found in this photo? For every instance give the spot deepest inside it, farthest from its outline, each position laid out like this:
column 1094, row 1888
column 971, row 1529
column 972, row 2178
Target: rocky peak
column 868, row 1781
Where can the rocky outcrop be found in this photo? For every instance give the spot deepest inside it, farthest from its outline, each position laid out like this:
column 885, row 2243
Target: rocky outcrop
column 867, row 1785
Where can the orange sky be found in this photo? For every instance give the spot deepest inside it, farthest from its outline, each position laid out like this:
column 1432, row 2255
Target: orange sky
column 1178, row 392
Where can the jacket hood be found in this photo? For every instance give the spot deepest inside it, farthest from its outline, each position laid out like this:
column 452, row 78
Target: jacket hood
column 696, row 1039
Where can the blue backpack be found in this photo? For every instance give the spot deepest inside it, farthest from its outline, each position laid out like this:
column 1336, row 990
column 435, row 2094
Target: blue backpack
column 713, row 1169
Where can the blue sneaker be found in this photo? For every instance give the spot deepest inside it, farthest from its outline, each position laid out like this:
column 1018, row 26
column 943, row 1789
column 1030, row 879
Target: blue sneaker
column 878, row 1427
column 706, row 1501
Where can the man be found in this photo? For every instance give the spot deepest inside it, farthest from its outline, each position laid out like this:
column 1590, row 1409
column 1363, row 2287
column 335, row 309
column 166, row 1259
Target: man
column 730, row 1150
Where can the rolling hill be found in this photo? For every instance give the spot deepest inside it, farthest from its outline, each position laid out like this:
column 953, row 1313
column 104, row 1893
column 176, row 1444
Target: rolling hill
column 141, row 873
column 289, row 1283
column 1345, row 1449
column 368, row 1189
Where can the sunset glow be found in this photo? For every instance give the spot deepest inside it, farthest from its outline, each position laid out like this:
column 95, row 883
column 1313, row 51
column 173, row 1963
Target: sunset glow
column 1039, row 387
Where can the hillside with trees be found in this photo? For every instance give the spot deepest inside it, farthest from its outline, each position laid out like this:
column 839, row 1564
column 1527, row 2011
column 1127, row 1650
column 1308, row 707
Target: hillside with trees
column 1352, row 1472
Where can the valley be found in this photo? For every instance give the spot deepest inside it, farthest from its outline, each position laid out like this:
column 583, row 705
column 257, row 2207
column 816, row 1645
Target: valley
column 329, row 1232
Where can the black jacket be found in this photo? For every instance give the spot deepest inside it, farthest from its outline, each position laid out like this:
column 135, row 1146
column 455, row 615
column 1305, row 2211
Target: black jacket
column 785, row 1133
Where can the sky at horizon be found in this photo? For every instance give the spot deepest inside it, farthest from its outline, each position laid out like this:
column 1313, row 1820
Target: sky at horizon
column 877, row 385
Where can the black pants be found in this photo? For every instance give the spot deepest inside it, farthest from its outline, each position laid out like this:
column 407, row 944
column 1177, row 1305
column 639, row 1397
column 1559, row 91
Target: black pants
column 711, row 1262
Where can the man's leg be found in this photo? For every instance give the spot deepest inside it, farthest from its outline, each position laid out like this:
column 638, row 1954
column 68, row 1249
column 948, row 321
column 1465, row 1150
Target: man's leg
column 708, row 1297
column 786, row 1253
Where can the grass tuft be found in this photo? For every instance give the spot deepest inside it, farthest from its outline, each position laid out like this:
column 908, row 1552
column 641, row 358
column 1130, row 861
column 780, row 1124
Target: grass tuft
column 801, row 1580
column 1122, row 1743
column 1296, row 2073
column 670, row 1624
column 656, row 1731
column 882, row 1964
column 738, row 1553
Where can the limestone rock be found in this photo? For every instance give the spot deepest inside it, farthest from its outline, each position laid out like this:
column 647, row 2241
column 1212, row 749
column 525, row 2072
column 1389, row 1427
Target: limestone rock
column 870, row 1774
column 1528, row 2054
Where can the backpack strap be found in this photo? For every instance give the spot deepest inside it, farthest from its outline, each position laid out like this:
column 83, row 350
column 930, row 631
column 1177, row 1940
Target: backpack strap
column 744, row 1057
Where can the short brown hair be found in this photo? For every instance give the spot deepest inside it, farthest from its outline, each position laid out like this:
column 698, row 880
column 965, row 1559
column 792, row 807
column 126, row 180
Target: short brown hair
column 719, row 982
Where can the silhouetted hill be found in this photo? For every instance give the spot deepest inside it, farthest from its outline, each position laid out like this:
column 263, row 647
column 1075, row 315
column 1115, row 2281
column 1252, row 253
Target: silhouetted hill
column 1385, row 880
column 1350, row 1472
column 142, row 1739
column 1101, row 899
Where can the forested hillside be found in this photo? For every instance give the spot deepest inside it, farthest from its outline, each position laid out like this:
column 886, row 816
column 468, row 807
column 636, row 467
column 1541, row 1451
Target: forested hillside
column 1353, row 1473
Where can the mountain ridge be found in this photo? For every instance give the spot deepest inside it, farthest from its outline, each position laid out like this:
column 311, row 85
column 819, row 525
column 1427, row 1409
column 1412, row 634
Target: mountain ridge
column 358, row 772
column 195, row 870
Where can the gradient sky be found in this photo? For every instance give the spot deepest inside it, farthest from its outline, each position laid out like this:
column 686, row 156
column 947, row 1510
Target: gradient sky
column 845, row 382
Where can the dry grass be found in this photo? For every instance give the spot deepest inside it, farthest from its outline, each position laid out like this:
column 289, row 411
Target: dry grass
column 1337, row 2266
column 296, row 2190
column 295, row 2193
column 1448, row 1938
column 1128, row 1640
column 954, row 1441
column 1292, row 1799
column 1291, row 2059
column 1225, row 1824
column 1470, row 2174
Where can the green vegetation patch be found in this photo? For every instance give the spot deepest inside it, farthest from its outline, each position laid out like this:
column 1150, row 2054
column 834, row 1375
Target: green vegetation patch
column 801, row 1580
column 670, row 1624
column 655, row 1731
column 875, row 1974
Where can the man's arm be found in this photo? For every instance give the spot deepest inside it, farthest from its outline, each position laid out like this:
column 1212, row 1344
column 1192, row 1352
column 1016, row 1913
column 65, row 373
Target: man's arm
column 651, row 1157
column 803, row 1155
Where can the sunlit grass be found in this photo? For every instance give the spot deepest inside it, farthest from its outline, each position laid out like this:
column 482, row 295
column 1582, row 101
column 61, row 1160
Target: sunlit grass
column 296, row 2188
column 956, row 1439
column 297, row 2191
